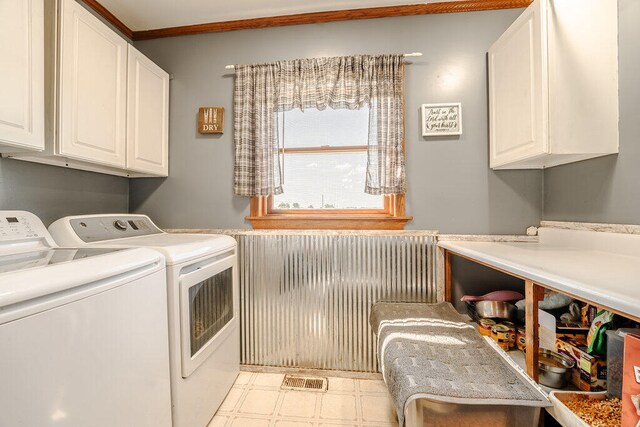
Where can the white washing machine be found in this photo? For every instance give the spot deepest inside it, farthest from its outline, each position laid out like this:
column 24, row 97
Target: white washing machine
column 202, row 283
column 82, row 332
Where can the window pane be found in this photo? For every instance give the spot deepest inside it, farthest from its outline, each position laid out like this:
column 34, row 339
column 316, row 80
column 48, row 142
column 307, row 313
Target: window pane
column 315, row 128
column 326, row 180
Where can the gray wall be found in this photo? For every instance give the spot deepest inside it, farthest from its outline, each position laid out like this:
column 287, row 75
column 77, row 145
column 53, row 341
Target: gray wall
column 607, row 189
column 52, row 192
column 450, row 186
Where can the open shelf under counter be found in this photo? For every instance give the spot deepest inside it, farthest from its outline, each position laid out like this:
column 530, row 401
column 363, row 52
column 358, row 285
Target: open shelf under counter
column 601, row 268
column 520, row 359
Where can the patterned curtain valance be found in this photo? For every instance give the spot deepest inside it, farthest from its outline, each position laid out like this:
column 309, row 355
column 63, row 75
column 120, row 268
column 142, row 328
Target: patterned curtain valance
column 349, row 82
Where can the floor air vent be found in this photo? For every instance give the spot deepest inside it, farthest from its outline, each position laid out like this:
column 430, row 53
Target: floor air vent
column 293, row 382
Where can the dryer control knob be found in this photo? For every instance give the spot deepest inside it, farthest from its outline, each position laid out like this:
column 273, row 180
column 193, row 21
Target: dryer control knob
column 120, row 224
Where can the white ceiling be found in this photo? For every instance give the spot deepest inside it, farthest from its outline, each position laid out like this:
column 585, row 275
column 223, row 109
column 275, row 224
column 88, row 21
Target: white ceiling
column 152, row 14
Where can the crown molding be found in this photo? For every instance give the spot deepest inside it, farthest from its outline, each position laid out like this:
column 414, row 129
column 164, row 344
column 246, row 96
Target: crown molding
column 110, row 17
column 309, row 18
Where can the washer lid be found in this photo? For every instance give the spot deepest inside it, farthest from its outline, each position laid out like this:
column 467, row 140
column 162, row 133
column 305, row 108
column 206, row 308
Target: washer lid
column 177, row 248
column 28, row 275
column 47, row 257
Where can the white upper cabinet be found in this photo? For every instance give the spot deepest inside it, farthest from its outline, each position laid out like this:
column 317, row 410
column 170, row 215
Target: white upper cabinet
column 553, row 85
column 517, row 102
column 21, row 75
column 78, row 93
column 148, row 116
column 93, row 89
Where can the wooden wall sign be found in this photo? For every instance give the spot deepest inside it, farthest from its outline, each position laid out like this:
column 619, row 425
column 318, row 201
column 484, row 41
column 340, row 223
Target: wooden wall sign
column 211, row 120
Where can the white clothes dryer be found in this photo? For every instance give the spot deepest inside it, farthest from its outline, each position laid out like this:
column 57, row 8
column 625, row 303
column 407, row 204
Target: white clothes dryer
column 82, row 332
column 202, row 289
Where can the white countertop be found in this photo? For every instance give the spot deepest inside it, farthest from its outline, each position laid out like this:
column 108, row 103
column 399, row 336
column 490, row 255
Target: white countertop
column 278, row 232
column 600, row 267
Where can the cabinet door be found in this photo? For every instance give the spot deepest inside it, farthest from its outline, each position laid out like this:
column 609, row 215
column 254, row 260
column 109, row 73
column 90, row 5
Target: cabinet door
column 518, row 89
column 583, row 77
column 22, row 74
column 148, row 116
column 93, row 89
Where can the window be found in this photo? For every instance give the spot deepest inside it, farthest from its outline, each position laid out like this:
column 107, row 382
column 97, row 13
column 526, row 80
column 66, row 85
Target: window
column 324, row 162
column 307, row 168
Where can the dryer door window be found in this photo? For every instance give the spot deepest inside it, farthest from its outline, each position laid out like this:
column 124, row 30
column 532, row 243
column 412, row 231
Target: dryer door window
column 210, row 308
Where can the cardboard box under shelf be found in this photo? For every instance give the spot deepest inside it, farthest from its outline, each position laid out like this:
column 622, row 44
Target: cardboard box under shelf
column 590, row 372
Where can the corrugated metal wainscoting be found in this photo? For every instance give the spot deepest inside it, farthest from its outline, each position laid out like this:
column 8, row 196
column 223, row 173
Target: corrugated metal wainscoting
column 306, row 298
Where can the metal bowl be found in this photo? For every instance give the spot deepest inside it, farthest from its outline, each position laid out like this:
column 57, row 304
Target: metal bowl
column 496, row 310
column 554, row 368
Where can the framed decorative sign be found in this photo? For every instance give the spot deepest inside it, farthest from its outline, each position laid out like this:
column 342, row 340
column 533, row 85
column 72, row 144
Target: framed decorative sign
column 442, row 119
column 211, row 120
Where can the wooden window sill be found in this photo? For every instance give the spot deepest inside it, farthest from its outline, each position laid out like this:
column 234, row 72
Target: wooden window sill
column 328, row 222
column 392, row 217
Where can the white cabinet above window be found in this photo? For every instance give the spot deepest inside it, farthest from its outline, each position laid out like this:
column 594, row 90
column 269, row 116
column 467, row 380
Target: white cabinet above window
column 553, row 85
column 22, row 75
column 107, row 105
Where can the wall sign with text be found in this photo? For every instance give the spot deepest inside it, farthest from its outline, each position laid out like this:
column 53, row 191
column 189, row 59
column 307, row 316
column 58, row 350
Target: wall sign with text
column 211, row 120
column 442, row 119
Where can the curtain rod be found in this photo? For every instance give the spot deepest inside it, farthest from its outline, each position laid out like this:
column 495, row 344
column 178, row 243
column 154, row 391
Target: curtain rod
column 406, row 55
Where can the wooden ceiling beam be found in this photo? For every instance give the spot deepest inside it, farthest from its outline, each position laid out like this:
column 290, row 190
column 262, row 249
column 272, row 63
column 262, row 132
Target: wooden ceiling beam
column 310, row 18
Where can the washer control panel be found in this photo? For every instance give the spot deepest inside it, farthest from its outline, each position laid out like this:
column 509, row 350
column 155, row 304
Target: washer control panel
column 121, row 224
column 21, row 226
column 99, row 228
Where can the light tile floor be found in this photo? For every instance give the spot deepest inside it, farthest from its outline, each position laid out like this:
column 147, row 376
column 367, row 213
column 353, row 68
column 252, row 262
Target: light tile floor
column 256, row 400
